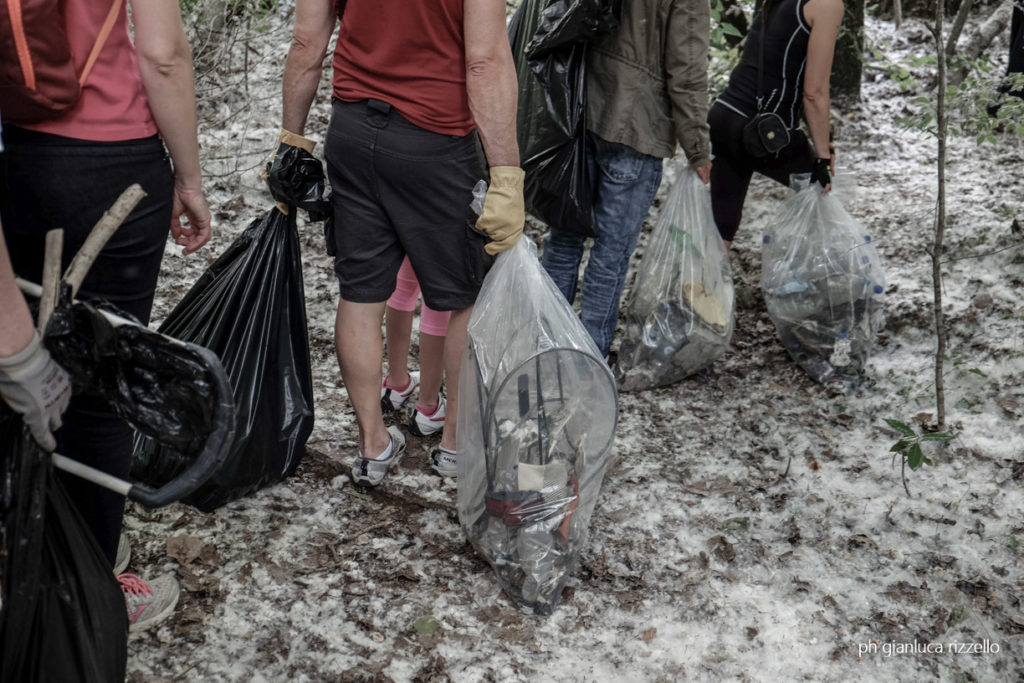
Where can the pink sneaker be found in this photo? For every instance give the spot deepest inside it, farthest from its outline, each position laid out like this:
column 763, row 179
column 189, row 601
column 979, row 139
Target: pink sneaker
column 148, row 603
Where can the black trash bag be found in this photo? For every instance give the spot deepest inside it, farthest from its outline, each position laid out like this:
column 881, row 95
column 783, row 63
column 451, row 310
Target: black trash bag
column 296, row 178
column 150, row 381
column 174, row 392
column 62, row 612
column 549, row 45
column 248, row 308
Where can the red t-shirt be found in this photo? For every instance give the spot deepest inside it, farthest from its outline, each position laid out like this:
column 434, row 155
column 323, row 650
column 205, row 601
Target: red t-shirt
column 410, row 54
column 113, row 104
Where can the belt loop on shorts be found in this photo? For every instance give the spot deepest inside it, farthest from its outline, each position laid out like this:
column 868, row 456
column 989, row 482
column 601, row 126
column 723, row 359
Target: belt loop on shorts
column 378, row 113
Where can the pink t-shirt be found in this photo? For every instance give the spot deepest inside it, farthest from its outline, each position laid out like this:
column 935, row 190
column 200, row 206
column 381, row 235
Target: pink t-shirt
column 113, row 104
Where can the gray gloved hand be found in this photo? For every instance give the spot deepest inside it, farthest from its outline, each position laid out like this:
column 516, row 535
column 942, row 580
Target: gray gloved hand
column 34, row 386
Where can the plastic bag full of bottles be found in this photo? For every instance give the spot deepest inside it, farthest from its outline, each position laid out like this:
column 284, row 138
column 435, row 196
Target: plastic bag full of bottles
column 823, row 285
column 679, row 317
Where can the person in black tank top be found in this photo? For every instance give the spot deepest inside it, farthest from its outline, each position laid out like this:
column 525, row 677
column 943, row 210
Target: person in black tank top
column 799, row 41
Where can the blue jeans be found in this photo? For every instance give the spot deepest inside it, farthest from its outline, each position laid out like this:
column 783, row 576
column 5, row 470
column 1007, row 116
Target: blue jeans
column 624, row 183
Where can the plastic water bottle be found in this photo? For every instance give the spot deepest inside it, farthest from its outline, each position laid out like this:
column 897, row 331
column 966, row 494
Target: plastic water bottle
column 536, row 558
column 664, row 334
column 479, row 192
column 840, row 357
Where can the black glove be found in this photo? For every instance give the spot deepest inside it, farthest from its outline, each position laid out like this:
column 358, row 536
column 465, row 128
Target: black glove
column 296, row 178
column 820, row 172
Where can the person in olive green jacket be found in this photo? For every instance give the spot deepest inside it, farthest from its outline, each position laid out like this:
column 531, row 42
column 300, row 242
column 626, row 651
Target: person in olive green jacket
column 646, row 92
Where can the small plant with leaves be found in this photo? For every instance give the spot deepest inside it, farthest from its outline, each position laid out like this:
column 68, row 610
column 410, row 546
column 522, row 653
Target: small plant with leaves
column 908, row 447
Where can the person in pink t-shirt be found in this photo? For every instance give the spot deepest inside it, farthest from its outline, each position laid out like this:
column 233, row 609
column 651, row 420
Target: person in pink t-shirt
column 135, row 122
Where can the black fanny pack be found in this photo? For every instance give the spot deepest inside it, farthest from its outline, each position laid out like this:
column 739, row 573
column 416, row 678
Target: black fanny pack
column 765, row 134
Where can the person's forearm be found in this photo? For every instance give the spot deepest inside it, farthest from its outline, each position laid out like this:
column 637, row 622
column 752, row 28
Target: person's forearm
column 15, row 320
column 302, row 70
column 170, row 88
column 314, row 23
column 816, row 112
column 493, row 98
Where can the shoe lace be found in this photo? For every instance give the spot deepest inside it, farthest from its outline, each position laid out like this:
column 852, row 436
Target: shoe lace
column 133, row 586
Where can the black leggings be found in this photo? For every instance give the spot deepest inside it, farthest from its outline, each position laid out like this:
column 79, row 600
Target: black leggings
column 733, row 167
column 49, row 181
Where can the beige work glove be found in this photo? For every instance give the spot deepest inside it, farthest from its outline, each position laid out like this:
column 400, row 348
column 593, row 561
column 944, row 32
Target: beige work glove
column 286, row 138
column 504, row 213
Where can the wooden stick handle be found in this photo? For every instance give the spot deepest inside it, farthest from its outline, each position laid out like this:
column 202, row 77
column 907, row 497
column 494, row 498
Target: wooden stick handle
column 51, row 277
column 101, row 232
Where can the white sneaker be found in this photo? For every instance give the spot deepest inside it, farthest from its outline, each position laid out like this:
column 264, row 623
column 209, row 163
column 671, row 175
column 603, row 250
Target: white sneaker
column 369, row 472
column 148, row 603
column 423, row 424
column 444, row 461
column 392, row 398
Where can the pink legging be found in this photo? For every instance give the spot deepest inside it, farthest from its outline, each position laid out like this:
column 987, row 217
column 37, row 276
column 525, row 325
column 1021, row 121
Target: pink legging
column 407, row 287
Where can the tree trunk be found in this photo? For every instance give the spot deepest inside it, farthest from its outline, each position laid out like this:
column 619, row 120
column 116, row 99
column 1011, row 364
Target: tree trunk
column 980, row 39
column 940, row 221
column 849, row 63
column 958, row 26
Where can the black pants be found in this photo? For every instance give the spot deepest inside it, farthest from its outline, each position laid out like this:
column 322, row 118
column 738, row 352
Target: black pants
column 47, row 182
column 733, row 167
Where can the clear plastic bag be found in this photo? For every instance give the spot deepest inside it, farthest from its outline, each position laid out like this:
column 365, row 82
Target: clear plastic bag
column 823, row 285
column 679, row 318
column 537, row 414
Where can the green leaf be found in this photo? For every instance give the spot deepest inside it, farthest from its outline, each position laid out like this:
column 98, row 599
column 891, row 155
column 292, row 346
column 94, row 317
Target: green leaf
column 426, row 625
column 915, row 456
column 937, row 436
column 900, row 427
column 900, row 446
column 730, row 30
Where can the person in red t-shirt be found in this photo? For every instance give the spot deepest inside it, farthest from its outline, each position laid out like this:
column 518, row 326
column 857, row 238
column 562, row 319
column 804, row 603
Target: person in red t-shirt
column 418, row 89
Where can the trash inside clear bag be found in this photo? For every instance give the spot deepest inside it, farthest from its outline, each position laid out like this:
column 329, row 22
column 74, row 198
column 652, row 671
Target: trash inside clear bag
column 537, row 414
column 823, row 285
column 679, row 317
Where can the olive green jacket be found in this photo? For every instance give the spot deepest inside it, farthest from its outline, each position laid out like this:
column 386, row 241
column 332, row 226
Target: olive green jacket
column 647, row 83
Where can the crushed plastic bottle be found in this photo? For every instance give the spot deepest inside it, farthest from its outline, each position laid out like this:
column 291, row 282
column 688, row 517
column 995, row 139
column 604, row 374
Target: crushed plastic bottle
column 536, row 557
column 840, row 357
column 479, row 192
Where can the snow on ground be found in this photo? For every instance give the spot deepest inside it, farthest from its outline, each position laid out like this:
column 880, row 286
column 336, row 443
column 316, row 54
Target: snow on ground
column 751, row 527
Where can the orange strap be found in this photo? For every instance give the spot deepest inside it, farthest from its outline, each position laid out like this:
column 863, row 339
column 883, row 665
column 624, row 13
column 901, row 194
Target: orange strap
column 28, row 72
column 101, row 39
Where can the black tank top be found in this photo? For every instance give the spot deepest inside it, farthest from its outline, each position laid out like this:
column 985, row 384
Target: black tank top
column 785, row 53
